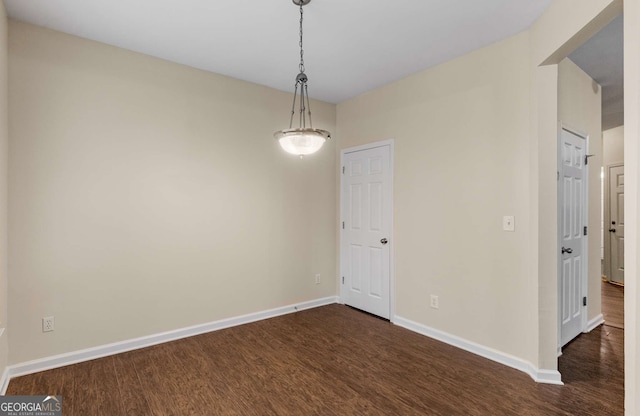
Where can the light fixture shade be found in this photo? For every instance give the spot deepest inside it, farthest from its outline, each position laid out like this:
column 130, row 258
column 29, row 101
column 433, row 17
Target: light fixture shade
column 303, row 141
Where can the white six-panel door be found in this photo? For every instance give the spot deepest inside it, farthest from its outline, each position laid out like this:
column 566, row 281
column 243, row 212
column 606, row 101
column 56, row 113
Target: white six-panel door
column 572, row 200
column 366, row 229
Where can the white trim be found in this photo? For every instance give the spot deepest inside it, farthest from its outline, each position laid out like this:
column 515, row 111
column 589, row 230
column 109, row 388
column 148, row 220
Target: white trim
column 392, row 249
column 594, row 323
column 538, row 375
column 74, row 357
column 585, row 246
column 607, row 219
column 392, row 291
column 545, row 376
column 373, row 145
column 4, row 381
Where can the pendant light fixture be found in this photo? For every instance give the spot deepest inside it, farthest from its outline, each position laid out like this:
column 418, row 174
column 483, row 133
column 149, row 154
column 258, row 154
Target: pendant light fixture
column 302, row 140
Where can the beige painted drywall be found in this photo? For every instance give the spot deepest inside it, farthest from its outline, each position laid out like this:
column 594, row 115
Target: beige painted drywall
column 4, row 140
column 580, row 109
column 461, row 157
column 147, row 196
column 613, row 146
column 544, row 229
column 631, row 206
column 544, row 200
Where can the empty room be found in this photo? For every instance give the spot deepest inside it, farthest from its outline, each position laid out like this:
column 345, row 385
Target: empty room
column 318, row 207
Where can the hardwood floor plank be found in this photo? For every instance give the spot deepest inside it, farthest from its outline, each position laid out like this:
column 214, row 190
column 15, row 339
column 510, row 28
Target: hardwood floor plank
column 96, row 389
column 54, row 382
column 392, row 364
column 23, row 385
column 333, row 361
column 268, row 374
column 132, row 394
column 354, row 373
column 613, row 305
column 602, row 376
column 214, row 378
column 214, row 385
column 160, row 381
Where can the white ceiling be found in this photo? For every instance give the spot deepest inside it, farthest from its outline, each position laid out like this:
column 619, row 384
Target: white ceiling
column 351, row 46
column 602, row 58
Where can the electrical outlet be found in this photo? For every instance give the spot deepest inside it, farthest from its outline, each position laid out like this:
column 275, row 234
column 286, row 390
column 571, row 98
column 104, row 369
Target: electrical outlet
column 509, row 223
column 47, row 324
column 435, row 302
column 318, row 278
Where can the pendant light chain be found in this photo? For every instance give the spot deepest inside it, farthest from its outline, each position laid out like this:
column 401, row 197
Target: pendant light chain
column 293, row 107
column 304, row 139
column 301, row 50
column 303, row 125
column 302, row 79
column 306, row 92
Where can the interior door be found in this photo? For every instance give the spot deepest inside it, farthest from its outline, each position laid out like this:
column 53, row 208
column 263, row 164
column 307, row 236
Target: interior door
column 616, row 225
column 572, row 219
column 366, row 233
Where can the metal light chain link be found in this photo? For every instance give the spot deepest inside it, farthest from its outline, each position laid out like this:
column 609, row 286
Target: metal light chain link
column 301, row 50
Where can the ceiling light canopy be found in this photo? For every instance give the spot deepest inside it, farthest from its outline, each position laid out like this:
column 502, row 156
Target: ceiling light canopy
column 302, row 140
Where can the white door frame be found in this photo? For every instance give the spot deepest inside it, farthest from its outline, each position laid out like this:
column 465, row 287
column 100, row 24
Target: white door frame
column 585, row 245
column 607, row 220
column 343, row 245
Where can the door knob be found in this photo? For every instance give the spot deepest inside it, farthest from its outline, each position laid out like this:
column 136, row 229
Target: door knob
column 612, row 230
column 567, row 250
column 384, row 241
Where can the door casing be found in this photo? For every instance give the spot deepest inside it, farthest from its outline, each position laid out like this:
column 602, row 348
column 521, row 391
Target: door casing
column 608, row 263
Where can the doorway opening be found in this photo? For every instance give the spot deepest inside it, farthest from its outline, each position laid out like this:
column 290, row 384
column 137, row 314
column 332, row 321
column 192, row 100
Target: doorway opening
column 601, row 58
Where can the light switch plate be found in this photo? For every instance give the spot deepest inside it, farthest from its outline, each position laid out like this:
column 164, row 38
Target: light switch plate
column 508, row 223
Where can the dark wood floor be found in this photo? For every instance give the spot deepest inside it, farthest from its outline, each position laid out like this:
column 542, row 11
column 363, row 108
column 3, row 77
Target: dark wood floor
column 613, row 305
column 330, row 361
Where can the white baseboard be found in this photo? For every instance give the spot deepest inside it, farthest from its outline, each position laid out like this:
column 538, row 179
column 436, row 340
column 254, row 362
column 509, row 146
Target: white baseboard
column 540, row 376
column 74, row 357
column 545, row 376
column 594, row 323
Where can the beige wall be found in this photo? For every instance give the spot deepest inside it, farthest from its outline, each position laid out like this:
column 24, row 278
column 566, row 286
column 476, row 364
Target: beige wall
column 543, row 197
column 461, row 157
column 613, row 146
column 631, row 206
column 4, row 140
column 147, row 196
column 580, row 109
